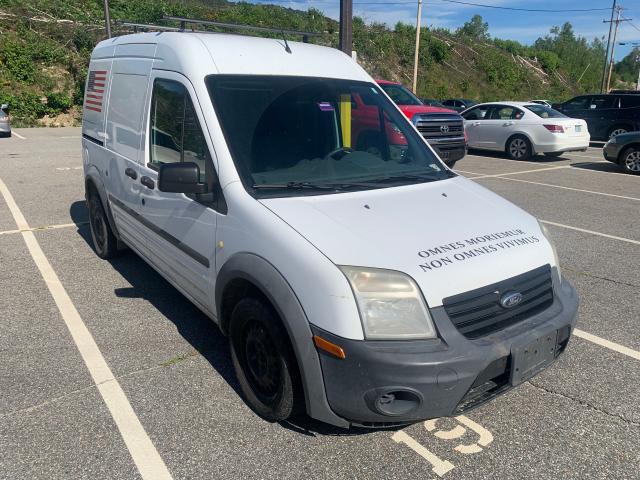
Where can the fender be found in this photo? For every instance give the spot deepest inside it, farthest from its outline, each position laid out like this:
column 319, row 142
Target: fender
column 93, row 176
column 273, row 285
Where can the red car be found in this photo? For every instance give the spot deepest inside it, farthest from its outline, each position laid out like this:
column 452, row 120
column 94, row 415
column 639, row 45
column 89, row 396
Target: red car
column 441, row 127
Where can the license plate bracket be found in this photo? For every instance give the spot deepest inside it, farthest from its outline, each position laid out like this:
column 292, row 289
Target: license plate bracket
column 531, row 358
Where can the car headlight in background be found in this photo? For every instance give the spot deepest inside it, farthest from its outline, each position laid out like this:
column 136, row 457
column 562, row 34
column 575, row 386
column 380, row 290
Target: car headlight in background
column 390, row 304
column 547, row 235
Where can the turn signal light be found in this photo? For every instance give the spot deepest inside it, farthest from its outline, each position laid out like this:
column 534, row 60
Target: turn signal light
column 329, row 347
column 554, row 128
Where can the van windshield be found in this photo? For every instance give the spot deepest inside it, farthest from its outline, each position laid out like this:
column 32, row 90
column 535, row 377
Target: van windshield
column 301, row 136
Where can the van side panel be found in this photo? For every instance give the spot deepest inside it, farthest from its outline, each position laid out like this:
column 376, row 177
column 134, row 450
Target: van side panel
column 127, row 99
column 95, row 98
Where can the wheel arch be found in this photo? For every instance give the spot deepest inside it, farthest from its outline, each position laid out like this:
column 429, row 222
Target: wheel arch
column 626, row 148
column 244, row 272
column 93, row 183
column 520, row 134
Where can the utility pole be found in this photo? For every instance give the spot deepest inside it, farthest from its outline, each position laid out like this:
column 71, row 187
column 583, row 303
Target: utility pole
column 606, row 55
column 107, row 18
column 613, row 45
column 417, row 52
column 346, row 26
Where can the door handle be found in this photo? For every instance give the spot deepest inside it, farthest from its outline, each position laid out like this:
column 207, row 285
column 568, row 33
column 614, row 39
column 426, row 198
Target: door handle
column 475, row 124
column 507, row 124
column 130, row 172
column 147, row 182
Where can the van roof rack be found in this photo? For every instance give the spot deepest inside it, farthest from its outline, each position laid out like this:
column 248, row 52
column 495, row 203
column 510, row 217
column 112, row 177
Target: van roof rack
column 232, row 26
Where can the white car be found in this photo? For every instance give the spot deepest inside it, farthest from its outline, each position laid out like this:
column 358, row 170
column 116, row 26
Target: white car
column 524, row 129
column 363, row 288
column 5, row 124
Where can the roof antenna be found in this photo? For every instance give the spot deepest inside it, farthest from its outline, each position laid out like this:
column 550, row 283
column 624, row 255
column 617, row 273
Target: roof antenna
column 286, row 45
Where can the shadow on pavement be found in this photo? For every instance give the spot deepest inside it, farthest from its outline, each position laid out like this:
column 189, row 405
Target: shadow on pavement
column 194, row 326
column 502, row 156
column 599, row 167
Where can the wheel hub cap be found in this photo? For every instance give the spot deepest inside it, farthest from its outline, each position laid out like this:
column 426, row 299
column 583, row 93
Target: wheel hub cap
column 632, row 161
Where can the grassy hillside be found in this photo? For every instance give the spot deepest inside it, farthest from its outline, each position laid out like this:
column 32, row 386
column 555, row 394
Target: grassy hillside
column 45, row 46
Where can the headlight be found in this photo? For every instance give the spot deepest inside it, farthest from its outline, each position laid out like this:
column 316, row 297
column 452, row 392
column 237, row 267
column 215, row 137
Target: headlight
column 547, row 235
column 390, row 304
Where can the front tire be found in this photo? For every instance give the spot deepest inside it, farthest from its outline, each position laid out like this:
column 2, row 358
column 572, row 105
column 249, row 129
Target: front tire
column 104, row 241
column 263, row 360
column 630, row 160
column 519, row 148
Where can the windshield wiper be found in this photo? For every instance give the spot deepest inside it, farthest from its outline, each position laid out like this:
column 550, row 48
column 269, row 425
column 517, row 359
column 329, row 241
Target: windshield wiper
column 294, row 186
column 412, row 176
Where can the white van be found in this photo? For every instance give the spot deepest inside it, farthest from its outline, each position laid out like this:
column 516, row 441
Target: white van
column 356, row 276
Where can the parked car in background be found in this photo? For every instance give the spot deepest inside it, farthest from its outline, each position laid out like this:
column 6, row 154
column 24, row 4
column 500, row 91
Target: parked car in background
column 606, row 115
column 443, row 128
column 546, row 103
column 459, row 104
column 624, row 149
column 432, row 102
column 523, row 129
column 5, row 124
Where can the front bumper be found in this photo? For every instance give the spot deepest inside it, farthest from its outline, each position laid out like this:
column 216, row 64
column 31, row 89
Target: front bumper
column 611, row 151
column 5, row 128
column 398, row 382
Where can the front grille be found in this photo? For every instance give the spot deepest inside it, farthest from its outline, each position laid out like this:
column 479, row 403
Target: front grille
column 479, row 312
column 440, row 125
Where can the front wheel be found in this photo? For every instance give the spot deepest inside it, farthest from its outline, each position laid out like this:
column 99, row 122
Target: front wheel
column 519, row 148
column 630, row 160
column 263, row 360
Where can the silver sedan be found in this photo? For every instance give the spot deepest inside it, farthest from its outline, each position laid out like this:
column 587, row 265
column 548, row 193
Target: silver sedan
column 5, row 125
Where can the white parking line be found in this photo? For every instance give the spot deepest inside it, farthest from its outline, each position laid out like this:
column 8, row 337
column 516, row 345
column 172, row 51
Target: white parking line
column 13, row 132
column 505, row 176
column 46, row 227
column 616, row 347
column 600, row 234
column 143, row 452
column 515, row 173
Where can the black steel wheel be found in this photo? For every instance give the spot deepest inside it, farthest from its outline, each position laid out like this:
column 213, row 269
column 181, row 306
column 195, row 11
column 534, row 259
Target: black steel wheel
column 263, row 360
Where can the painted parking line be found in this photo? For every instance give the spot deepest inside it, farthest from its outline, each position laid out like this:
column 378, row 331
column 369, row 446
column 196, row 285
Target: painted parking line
column 506, row 176
column 592, row 232
column 46, row 227
column 515, row 173
column 14, row 133
column 616, row 347
column 143, row 452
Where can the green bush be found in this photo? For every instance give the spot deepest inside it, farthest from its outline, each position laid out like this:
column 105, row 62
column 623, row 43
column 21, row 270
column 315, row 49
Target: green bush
column 58, row 102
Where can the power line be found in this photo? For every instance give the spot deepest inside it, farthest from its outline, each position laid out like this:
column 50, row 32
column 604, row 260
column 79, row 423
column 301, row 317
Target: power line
column 632, row 24
column 496, row 7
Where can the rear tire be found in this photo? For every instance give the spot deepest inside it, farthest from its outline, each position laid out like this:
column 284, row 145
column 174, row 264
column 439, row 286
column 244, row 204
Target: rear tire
column 264, row 361
column 519, row 148
column 630, row 160
column 615, row 131
column 104, row 241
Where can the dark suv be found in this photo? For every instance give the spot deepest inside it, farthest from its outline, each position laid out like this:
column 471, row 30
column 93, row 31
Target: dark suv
column 606, row 115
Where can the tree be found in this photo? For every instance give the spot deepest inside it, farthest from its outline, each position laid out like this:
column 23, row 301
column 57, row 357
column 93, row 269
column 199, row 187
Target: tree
column 475, row 28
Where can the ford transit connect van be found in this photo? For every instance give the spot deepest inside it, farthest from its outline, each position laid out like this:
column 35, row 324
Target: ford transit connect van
column 363, row 286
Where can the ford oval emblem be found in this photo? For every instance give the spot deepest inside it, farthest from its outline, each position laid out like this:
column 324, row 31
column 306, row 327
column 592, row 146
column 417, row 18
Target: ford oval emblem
column 510, row 299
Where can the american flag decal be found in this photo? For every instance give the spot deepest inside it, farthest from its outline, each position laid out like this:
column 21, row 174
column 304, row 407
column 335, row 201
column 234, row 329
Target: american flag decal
column 95, row 90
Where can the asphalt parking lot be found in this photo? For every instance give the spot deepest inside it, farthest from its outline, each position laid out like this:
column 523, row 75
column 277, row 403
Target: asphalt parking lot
column 579, row 419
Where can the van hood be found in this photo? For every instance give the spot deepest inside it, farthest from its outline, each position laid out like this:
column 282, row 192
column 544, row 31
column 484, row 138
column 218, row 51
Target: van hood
column 451, row 236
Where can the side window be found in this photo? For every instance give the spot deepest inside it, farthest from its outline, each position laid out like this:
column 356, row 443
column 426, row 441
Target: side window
column 504, row 112
column 478, row 113
column 578, row 103
column 176, row 135
column 630, row 101
column 448, row 103
column 599, row 102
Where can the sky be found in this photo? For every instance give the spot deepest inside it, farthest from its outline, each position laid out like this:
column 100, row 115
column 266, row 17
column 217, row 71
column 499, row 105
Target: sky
column 524, row 27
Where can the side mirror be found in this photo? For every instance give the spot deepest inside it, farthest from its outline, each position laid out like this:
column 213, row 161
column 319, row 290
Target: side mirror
column 183, row 177
column 4, row 106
